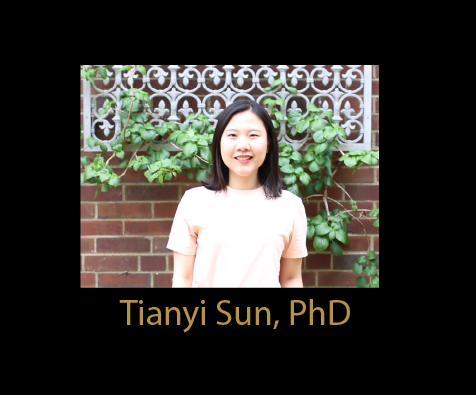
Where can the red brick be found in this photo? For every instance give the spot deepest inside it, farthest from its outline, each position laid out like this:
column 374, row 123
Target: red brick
column 148, row 227
column 101, row 228
column 309, row 279
column 376, row 243
column 311, row 209
column 334, row 192
column 87, row 194
column 318, row 261
column 152, row 192
column 116, row 263
column 159, row 243
column 123, row 244
column 128, row 280
column 163, row 280
column 375, row 122
column 88, row 280
column 165, row 210
column 336, row 279
column 375, row 88
column 346, row 175
column 356, row 243
column 87, row 244
column 345, row 262
column 377, row 105
column 152, row 263
column 181, row 177
column 171, row 263
column 124, row 210
column 376, row 71
column 362, row 192
column 132, row 176
column 87, row 210
column 356, row 227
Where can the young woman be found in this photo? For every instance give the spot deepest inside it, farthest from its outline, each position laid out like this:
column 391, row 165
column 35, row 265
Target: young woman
column 241, row 228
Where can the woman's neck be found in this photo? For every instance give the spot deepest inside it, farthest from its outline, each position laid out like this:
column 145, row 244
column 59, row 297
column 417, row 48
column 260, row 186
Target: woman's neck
column 243, row 183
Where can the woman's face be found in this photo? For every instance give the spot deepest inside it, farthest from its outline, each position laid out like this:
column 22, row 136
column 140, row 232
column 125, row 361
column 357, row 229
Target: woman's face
column 244, row 144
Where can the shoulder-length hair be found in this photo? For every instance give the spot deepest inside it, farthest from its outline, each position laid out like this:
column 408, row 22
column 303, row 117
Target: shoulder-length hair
column 269, row 174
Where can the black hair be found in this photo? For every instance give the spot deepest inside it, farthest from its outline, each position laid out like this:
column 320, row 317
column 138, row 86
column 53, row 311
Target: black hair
column 269, row 174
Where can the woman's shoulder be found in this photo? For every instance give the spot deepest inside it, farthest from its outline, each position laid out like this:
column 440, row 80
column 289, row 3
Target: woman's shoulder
column 290, row 197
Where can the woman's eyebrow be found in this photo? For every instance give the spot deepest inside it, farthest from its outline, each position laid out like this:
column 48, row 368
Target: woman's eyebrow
column 251, row 130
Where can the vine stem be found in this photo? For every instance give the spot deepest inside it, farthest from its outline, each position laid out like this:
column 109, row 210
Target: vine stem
column 198, row 156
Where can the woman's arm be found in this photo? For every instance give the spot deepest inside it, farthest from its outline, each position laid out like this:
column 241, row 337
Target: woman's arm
column 183, row 270
column 290, row 274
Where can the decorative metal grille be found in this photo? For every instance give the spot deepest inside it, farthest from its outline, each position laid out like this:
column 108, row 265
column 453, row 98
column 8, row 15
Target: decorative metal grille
column 178, row 90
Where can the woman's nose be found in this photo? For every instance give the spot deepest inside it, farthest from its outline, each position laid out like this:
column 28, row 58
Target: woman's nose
column 242, row 144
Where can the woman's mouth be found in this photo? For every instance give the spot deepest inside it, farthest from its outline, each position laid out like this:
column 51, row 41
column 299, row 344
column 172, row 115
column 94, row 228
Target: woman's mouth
column 243, row 159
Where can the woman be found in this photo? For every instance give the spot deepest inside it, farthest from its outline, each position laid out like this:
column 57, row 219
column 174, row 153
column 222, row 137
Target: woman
column 240, row 229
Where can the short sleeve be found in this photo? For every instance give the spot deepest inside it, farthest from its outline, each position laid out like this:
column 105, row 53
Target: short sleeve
column 297, row 240
column 182, row 239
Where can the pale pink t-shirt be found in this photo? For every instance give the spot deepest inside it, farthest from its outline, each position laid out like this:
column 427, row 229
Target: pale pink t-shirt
column 238, row 237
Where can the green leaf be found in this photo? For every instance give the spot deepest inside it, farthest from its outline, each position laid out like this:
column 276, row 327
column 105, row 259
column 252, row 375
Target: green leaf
column 92, row 142
column 370, row 270
column 296, row 155
column 189, row 149
column 85, row 160
column 357, row 268
column 120, row 154
column 320, row 148
column 283, row 161
column 309, row 190
column 310, row 231
column 275, row 123
column 375, row 223
column 323, row 229
column 361, row 282
column 293, row 117
column 336, row 249
column 320, row 243
column 350, row 162
column 313, row 166
column 311, row 107
column 318, row 138
column 318, row 126
column 308, row 157
column 114, row 180
column 302, row 126
column 287, row 169
column 367, row 159
column 342, row 236
column 362, row 259
column 371, row 255
column 305, row 178
column 290, row 179
column 294, row 189
column 103, row 147
column 148, row 134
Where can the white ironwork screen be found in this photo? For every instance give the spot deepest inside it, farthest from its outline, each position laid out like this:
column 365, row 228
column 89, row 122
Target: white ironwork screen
column 178, row 90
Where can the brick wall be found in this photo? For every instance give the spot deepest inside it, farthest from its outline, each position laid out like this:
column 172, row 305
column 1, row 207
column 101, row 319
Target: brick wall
column 124, row 231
